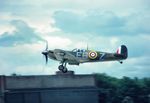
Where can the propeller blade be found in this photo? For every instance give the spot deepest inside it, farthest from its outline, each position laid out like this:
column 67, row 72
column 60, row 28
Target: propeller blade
column 46, row 46
column 46, row 57
column 45, row 53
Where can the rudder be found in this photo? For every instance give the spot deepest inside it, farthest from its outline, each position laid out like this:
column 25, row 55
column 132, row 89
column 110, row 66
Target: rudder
column 122, row 50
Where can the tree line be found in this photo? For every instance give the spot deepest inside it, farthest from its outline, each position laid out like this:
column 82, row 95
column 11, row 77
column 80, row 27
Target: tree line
column 114, row 90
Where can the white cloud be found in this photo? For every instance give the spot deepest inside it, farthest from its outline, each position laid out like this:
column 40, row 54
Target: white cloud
column 114, row 41
column 6, row 28
column 58, row 42
column 145, row 37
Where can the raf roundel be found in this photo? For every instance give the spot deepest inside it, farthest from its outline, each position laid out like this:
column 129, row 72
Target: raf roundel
column 92, row 55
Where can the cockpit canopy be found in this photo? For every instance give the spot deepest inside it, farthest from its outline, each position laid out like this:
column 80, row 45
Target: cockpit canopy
column 78, row 50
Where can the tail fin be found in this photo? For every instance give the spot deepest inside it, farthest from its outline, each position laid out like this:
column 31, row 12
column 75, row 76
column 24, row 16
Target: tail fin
column 122, row 50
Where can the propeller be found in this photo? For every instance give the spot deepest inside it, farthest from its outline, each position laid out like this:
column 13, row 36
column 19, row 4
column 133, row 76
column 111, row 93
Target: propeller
column 45, row 52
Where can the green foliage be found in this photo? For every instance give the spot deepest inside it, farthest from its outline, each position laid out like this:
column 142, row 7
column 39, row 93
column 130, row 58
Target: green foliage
column 115, row 90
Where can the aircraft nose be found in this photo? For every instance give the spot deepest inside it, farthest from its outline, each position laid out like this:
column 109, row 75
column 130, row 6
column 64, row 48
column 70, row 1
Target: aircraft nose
column 44, row 52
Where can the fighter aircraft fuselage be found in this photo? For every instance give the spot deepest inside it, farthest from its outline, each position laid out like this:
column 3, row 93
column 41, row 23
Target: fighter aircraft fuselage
column 77, row 56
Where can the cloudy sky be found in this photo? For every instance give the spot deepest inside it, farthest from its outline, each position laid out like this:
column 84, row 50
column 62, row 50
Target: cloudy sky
column 67, row 24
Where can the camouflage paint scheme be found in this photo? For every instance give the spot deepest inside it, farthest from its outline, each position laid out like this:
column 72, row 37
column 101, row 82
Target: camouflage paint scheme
column 77, row 56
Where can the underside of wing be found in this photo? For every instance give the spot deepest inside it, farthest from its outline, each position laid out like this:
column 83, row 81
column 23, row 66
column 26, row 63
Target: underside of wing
column 62, row 55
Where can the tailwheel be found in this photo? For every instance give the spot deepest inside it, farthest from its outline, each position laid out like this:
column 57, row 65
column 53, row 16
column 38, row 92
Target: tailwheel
column 120, row 62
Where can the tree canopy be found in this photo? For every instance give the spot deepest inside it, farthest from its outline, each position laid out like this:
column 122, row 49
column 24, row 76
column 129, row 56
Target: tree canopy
column 114, row 90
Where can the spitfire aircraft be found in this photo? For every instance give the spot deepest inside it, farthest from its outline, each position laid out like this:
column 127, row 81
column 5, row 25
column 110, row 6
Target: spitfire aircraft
column 77, row 56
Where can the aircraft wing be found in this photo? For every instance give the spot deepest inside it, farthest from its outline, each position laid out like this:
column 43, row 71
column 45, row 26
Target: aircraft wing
column 65, row 55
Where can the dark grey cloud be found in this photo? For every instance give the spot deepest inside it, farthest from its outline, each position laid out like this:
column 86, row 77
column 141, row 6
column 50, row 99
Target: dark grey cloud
column 23, row 34
column 103, row 23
